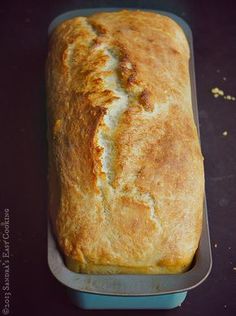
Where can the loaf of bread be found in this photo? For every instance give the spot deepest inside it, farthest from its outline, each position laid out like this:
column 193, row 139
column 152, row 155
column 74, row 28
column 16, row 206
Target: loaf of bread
column 126, row 178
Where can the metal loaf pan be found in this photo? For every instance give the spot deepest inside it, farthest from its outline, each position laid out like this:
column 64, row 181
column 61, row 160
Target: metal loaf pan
column 134, row 291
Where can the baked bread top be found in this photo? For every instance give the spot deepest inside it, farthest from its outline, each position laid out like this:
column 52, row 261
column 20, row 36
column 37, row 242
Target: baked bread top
column 126, row 174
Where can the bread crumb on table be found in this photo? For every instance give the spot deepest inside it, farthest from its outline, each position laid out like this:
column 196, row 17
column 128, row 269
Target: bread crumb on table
column 234, row 268
column 225, row 133
column 215, row 245
column 218, row 92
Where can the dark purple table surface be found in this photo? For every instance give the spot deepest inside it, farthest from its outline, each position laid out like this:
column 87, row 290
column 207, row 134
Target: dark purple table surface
column 23, row 161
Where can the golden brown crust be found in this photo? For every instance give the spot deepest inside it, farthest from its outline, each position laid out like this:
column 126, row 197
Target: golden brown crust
column 125, row 166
